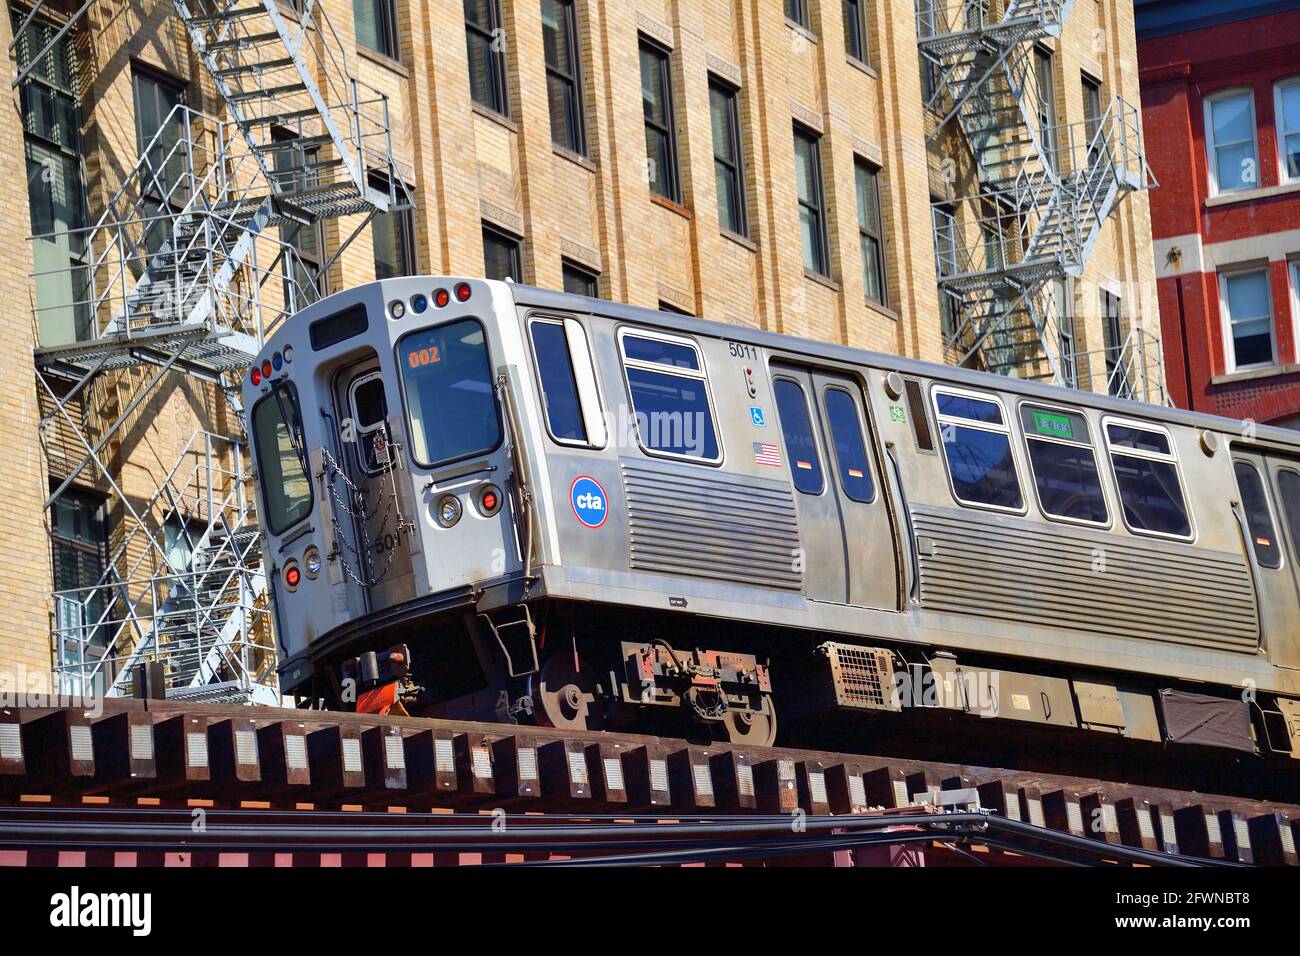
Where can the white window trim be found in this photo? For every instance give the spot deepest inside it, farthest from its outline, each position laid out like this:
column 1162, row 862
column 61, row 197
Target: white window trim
column 1225, row 316
column 645, row 333
column 584, row 378
column 1211, row 161
column 1112, row 450
column 1279, row 132
column 1004, row 429
column 1086, row 443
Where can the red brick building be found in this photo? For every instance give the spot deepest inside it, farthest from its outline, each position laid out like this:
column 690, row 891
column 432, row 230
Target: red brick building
column 1221, row 110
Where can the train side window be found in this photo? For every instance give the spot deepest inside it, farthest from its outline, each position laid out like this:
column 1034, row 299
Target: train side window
column 282, row 458
column 568, row 382
column 850, row 445
column 1288, row 485
column 1063, row 464
column 1146, row 473
column 1259, row 519
column 796, row 429
column 670, row 396
column 369, row 418
column 977, row 448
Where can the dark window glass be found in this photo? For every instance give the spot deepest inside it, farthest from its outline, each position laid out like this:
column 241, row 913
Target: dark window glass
column 796, row 429
column 728, row 171
column 563, row 81
column 660, row 132
column 502, row 257
column 1067, row 480
column 157, row 134
column 338, row 327
column 376, row 22
column 485, row 39
column 282, row 458
column 370, row 413
column 1150, row 494
column 294, row 169
column 812, row 201
column 85, row 619
column 393, row 237
column 657, row 350
column 855, row 30
column 1138, row 438
column 1254, row 500
column 1288, row 484
column 672, row 413
column 870, row 232
column 559, row 387
column 797, row 11
column 982, row 467
column 447, row 380
column 579, row 280
column 850, row 446
column 974, row 409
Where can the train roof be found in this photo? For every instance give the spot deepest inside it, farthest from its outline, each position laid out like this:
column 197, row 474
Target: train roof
column 550, row 299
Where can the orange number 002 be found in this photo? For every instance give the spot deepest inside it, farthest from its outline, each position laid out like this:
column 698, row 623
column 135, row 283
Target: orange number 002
column 423, row 357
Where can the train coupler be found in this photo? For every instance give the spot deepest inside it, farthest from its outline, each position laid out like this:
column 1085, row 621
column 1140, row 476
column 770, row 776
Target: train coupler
column 380, row 683
column 709, row 685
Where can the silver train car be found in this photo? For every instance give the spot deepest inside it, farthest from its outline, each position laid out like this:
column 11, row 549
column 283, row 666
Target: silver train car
column 483, row 500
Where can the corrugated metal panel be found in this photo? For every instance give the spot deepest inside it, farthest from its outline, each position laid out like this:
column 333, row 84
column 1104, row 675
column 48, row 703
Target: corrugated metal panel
column 689, row 520
column 979, row 564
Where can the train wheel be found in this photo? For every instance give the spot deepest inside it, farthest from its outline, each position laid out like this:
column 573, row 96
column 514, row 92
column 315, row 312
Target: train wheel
column 749, row 729
column 568, row 698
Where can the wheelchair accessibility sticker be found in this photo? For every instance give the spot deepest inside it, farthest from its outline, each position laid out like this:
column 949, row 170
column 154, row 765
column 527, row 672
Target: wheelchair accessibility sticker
column 590, row 503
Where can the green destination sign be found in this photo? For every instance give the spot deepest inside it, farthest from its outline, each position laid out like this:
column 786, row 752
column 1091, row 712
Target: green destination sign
column 1058, row 426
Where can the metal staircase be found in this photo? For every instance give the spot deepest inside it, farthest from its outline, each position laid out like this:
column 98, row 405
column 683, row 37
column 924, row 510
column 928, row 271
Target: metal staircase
column 1042, row 191
column 185, row 272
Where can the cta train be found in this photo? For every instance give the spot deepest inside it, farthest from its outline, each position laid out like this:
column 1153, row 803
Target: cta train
column 488, row 501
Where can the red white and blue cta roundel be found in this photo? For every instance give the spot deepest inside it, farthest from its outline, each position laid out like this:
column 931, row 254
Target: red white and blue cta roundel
column 590, row 503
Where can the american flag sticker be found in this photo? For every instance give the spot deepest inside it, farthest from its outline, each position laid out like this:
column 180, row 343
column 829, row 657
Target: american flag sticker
column 765, row 453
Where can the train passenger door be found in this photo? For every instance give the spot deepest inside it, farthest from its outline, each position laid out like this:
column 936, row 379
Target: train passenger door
column 844, row 527
column 1269, row 491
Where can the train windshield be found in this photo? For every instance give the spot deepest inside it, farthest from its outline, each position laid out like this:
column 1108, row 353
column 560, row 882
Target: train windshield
column 282, row 458
column 447, row 380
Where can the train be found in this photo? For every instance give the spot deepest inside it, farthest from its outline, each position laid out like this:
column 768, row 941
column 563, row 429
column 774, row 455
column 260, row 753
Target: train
column 483, row 500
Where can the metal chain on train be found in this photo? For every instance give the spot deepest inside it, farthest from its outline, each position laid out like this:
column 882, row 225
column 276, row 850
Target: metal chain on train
column 357, row 510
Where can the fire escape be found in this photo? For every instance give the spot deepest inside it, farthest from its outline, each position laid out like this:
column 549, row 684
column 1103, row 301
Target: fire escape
column 189, row 267
column 1038, row 198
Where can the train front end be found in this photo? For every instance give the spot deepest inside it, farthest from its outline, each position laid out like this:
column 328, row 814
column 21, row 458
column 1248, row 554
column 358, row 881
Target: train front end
column 385, row 476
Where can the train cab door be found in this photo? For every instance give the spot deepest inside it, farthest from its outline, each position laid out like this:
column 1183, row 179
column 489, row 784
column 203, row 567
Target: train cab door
column 844, row 526
column 1269, row 491
column 380, row 540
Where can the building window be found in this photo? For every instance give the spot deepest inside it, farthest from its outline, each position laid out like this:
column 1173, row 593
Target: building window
column 1118, row 382
column 56, row 184
column 1068, row 344
column 377, row 26
column 296, row 169
column 393, row 236
column 502, row 255
column 927, row 26
column 796, row 11
column 79, row 545
column 563, row 78
column 1248, row 320
column 812, row 201
column 945, row 259
column 1287, row 110
column 869, row 232
column 579, row 280
column 855, row 30
column 1230, row 141
column 1092, row 115
column 157, row 136
column 728, row 167
column 485, row 40
column 660, row 134
column 673, row 309
column 1045, row 97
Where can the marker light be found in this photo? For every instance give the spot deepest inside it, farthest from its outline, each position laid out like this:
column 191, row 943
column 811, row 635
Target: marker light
column 311, row 562
column 462, row 291
column 447, row 512
column 288, row 354
column 397, row 308
column 489, row 500
column 292, row 576
column 255, row 376
column 266, row 368
column 277, row 361
column 441, row 297
column 419, row 302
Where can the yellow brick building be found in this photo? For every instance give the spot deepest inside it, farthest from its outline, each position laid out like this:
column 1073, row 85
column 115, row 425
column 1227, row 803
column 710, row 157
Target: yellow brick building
column 771, row 163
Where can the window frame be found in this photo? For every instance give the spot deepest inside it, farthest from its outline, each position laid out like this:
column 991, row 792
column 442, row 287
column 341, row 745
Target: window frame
column 516, row 248
column 1006, row 428
column 1025, row 437
column 498, row 77
column 1281, row 132
column 385, row 29
column 637, row 331
column 1211, row 158
column 861, row 165
column 811, row 411
column 672, row 181
column 1230, row 362
column 573, row 267
column 731, row 93
column 1275, row 515
column 573, row 82
column 800, row 9
column 859, row 30
column 405, row 225
column 1111, row 450
column 586, row 379
column 822, row 238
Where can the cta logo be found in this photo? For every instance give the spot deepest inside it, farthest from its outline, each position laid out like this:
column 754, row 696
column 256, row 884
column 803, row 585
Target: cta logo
column 590, row 503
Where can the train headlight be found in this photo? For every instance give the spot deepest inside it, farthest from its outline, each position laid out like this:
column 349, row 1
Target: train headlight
column 287, row 352
column 311, row 562
column 397, row 308
column 489, row 500
column 447, row 511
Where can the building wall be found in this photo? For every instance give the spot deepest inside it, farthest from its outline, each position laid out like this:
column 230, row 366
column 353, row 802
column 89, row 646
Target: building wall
column 1198, row 235
column 469, row 167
